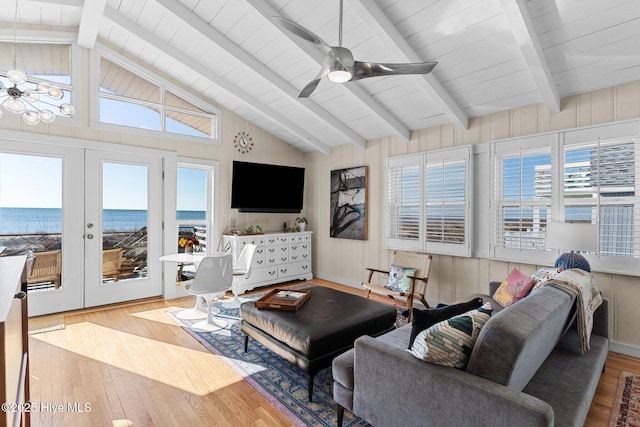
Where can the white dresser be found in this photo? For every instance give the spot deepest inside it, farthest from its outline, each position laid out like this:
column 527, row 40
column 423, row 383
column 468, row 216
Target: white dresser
column 279, row 257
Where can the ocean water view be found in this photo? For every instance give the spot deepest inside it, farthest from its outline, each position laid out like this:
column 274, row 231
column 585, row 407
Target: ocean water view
column 49, row 220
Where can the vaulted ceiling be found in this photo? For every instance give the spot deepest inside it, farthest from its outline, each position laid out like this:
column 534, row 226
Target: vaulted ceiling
column 492, row 55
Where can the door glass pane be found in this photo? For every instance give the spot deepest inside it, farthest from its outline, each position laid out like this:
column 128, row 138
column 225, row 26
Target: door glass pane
column 31, row 215
column 125, row 218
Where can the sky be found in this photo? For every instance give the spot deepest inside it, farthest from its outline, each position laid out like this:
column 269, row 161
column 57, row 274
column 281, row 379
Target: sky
column 36, row 182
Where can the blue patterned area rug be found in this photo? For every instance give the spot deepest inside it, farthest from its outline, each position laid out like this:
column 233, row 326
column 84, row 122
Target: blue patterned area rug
column 283, row 384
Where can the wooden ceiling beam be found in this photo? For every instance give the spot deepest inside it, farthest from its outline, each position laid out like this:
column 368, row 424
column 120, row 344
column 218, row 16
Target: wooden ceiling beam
column 375, row 18
column 188, row 17
column 525, row 34
column 247, row 99
column 387, row 119
column 90, row 22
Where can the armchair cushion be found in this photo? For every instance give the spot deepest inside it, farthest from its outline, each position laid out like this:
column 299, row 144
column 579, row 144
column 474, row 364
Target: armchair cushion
column 450, row 342
column 424, row 319
column 513, row 289
column 400, row 278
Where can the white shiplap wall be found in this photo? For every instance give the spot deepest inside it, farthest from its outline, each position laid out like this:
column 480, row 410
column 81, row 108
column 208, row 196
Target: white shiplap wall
column 453, row 277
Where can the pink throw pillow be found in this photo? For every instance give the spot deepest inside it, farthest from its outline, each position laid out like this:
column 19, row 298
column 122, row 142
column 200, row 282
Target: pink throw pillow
column 514, row 288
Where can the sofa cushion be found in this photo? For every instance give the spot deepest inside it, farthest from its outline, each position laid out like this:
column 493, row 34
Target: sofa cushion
column 516, row 341
column 515, row 287
column 449, row 343
column 423, row 319
column 399, row 278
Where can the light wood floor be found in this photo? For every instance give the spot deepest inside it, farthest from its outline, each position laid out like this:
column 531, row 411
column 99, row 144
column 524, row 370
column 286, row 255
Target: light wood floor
column 134, row 366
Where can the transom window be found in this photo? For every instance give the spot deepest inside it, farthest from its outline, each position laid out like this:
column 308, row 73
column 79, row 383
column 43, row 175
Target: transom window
column 48, row 63
column 129, row 98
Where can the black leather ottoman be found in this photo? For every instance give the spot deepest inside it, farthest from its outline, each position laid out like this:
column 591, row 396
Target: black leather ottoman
column 325, row 326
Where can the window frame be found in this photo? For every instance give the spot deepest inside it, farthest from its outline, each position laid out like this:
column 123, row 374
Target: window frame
column 422, row 161
column 522, row 147
column 164, row 85
column 558, row 142
column 212, row 167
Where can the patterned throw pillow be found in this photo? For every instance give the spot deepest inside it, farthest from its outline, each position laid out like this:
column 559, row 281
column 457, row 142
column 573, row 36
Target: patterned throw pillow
column 423, row 319
column 513, row 289
column 544, row 274
column 450, row 342
column 399, row 280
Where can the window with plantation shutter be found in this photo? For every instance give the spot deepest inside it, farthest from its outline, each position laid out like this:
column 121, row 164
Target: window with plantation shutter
column 522, row 198
column 428, row 202
column 585, row 175
column 447, row 202
column 600, row 188
column 403, row 202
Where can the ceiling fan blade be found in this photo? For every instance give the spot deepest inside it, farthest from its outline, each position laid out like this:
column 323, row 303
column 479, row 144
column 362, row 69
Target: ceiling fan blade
column 362, row 70
column 309, row 88
column 313, row 84
column 303, row 33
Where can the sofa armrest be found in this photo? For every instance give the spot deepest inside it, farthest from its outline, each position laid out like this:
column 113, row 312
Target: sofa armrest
column 392, row 387
column 601, row 319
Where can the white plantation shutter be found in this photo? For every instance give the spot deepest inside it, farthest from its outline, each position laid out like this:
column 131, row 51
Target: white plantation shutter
column 522, row 183
column 403, row 202
column 600, row 186
column 447, row 202
column 427, row 202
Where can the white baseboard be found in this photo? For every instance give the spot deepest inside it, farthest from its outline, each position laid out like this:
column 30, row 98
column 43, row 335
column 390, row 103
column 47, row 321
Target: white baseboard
column 339, row 280
column 624, row 349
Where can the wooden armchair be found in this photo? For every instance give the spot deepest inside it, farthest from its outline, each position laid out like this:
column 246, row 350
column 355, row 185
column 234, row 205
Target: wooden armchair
column 111, row 263
column 421, row 262
column 47, row 267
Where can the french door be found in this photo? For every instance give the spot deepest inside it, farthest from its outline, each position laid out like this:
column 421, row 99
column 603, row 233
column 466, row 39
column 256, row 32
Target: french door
column 92, row 219
column 122, row 227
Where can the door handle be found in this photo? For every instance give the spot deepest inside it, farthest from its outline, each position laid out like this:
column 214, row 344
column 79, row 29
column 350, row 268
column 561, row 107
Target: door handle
column 89, row 236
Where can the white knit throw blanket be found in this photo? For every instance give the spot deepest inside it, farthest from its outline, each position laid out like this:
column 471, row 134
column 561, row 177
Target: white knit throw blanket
column 588, row 299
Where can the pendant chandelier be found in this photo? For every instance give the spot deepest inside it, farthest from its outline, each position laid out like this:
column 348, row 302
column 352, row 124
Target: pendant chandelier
column 30, row 98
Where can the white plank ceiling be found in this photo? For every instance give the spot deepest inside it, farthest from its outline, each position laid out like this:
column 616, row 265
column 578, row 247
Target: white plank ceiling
column 492, row 55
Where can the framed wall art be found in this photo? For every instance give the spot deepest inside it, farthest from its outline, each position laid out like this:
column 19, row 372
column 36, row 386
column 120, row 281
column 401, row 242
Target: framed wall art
column 348, row 203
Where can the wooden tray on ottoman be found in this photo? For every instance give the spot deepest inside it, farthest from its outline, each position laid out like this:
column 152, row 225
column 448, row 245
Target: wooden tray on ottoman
column 283, row 299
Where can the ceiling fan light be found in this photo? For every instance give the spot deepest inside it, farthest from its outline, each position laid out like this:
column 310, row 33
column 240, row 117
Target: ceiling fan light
column 339, row 76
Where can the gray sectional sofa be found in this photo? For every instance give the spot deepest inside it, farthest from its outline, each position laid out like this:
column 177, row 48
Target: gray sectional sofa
column 525, row 369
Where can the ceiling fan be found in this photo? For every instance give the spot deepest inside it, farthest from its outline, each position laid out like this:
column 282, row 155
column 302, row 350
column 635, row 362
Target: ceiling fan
column 339, row 65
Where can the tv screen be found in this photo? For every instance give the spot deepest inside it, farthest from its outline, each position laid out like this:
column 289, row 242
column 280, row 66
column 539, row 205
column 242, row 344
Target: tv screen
column 258, row 187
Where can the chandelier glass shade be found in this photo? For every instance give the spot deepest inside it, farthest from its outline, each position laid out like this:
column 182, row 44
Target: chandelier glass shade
column 30, row 98
column 34, row 101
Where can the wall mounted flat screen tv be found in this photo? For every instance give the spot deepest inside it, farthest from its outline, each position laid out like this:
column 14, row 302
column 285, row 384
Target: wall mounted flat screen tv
column 259, row 187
